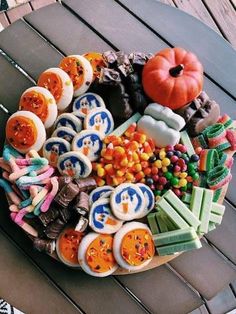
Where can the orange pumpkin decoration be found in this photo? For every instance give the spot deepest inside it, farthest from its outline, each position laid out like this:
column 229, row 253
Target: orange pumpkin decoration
column 173, row 77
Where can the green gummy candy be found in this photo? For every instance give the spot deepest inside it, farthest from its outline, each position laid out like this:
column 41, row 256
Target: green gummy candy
column 182, row 209
column 124, row 126
column 152, row 223
column 176, row 236
column 186, row 198
column 217, row 219
column 184, row 138
column 161, row 224
column 179, row 247
column 171, row 212
column 218, row 209
column 196, row 201
column 206, row 210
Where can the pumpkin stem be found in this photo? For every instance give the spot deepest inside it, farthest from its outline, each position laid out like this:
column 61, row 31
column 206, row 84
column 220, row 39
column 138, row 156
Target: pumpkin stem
column 176, row 71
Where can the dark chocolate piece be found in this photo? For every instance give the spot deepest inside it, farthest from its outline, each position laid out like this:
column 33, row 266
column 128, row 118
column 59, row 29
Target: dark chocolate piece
column 138, row 99
column 65, row 214
column 110, row 58
column 67, row 194
column 203, row 118
column 63, row 180
column 118, row 102
column 109, row 77
column 123, row 63
column 43, row 245
column 82, row 203
column 49, row 216
column 82, row 224
column 86, row 184
column 53, row 230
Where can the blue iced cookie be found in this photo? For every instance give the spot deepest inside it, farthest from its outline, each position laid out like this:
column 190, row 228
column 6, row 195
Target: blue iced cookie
column 149, row 198
column 100, row 120
column 127, row 201
column 64, row 132
column 88, row 142
column 70, row 121
column 79, row 115
column 86, row 102
column 53, row 148
column 100, row 192
column 74, row 164
column 101, row 218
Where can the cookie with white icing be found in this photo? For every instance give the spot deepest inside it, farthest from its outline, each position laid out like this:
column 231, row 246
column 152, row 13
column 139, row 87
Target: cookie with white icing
column 64, row 132
column 95, row 255
column 149, row 198
column 59, row 84
column 100, row 120
column 86, row 102
column 70, row 121
column 100, row 192
column 89, row 143
column 101, row 218
column 74, row 164
column 127, row 201
column 53, row 148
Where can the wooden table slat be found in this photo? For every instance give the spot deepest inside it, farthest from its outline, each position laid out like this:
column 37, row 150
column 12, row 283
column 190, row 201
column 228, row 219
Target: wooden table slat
column 68, row 33
column 205, row 270
column 25, row 287
column 3, row 20
column 33, row 53
column 155, row 287
column 88, row 292
column 186, row 31
column 223, row 237
column 201, row 310
column 37, row 4
column 197, row 9
column 18, row 12
column 223, row 302
column 117, row 25
column 225, row 15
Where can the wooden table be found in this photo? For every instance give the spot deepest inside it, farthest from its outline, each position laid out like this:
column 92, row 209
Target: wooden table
column 34, row 282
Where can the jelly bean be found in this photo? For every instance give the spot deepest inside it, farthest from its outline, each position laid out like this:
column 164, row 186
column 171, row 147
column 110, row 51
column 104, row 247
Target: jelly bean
column 152, row 187
column 162, row 180
column 159, row 187
column 183, row 182
column 169, row 154
column 140, row 175
column 154, row 170
column 157, row 193
column 152, row 158
column 177, row 168
column 165, row 162
column 147, row 171
column 191, row 166
column 174, row 181
column 169, row 148
column 168, row 175
column 144, row 164
column 174, row 158
column 155, row 177
column 177, row 153
column 164, row 169
column 189, row 179
column 183, row 175
column 195, row 176
column 198, row 150
column 158, row 164
column 184, row 188
column 194, row 158
column 177, row 192
column 149, row 181
column 162, row 154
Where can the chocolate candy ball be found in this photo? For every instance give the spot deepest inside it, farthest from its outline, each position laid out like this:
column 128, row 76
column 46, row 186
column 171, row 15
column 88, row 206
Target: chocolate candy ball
column 152, row 158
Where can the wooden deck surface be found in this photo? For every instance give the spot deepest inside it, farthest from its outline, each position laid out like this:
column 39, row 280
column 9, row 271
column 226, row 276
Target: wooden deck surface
column 70, row 290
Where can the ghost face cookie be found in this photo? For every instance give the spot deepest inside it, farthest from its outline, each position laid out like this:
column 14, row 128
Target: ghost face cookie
column 89, row 143
column 100, row 120
column 149, row 198
column 74, row 164
column 53, row 148
column 100, row 192
column 86, row 102
column 133, row 246
column 70, row 121
column 64, row 132
column 95, row 255
column 127, row 201
column 101, row 218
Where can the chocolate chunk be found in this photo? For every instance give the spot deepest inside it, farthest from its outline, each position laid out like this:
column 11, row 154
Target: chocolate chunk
column 109, row 77
column 43, row 245
column 123, row 63
column 63, row 180
column 65, row 213
column 110, row 58
column 118, row 102
column 82, row 203
column 82, row 224
column 49, row 216
column 67, row 194
column 53, row 230
column 86, row 184
column 203, row 118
